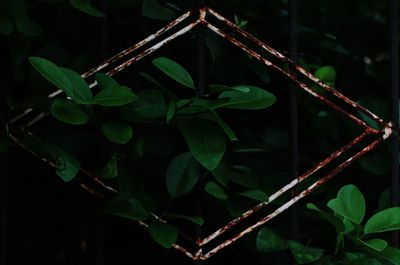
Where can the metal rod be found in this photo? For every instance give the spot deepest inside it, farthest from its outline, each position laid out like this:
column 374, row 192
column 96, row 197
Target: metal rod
column 300, row 69
column 295, row 199
column 293, row 112
column 115, row 58
column 394, row 79
column 299, row 84
column 286, row 188
column 201, row 45
column 201, row 87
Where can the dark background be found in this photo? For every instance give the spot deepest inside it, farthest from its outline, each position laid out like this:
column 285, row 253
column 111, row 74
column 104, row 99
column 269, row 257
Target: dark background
column 46, row 221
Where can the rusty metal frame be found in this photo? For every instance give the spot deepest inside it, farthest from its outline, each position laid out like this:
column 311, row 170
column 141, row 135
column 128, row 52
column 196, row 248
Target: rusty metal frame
column 379, row 134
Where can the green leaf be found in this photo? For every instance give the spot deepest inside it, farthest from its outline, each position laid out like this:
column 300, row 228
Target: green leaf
column 349, row 203
column 206, row 141
column 67, row 166
column 164, row 234
column 335, row 221
column 244, row 176
column 119, row 133
column 214, row 88
column 171, row 110
column 68, row 112
column 111, row 168
column 182, row 175
column 327, row 75
column 257, row 195
column 213, row 116
column 174, row 70
column 269, row 241
column 80, row 90
column 149, row 105
column 127, row 208
column 390, row 254
column 257, row 98
column 375, row 244
column 115, row 97
column 53, row 74
column 383, row 221
column 26, row 25
column 221, row 174
column 153, row 81
column 86, row 7
column 194, row 219
column 106, row 82
column 215, row 190
column 6, row 25
column 303, row 254
column 154, row 9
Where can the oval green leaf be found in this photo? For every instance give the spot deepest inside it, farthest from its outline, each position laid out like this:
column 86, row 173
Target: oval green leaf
column 206, row 141
column 86, row 7
column 106, row 82
column 80, row 91
column 303, row 254
column 52, row 73
column 256, row 98
column 390, row 254
column 68, row 112
column 335, row 221
column 150, row 105
column 67, row 166
column 383, row 221
column 175, row 71
column 182, row 174
column 111, row 168
column 349, row 203
column 127, row 208
column 269, row 241
column 118, row 96
column 215, row 88
column 119, row 133
column 154, row 9
column 376, row 244
column 215, row 190
column 256, row 195
column 194, row 219
column 164, row 234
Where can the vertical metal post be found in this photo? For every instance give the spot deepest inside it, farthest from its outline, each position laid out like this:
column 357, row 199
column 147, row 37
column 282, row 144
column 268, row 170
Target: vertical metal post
column 201, row 45
column 293, row 111
column 3, row 209
column 394, row 73
column 201, row 86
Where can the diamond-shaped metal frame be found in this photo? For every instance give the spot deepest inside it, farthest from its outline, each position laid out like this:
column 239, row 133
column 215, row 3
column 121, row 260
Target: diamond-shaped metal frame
column 379, row 135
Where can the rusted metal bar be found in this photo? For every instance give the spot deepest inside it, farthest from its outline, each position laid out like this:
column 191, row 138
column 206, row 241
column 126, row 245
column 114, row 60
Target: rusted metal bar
column 99, row 194
column 394, row 80
column 383, row 134
column 138, row 45
column 127, row 63
column 297, row 67
column 300, row 84
column 286, row 188
column 294, row 199
column 201, row 87
column 115, row 58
